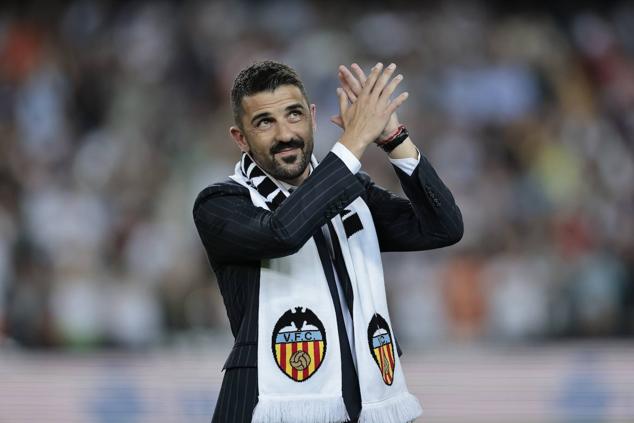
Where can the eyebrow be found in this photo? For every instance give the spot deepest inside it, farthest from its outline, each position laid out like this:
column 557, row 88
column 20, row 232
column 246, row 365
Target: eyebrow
column 289, row 108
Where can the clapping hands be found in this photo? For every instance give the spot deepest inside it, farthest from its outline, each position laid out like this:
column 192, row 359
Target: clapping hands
column 366, row 109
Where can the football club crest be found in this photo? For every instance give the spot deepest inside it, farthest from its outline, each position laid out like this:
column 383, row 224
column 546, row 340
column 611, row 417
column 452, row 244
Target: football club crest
column 299, row 343
column 382, row 347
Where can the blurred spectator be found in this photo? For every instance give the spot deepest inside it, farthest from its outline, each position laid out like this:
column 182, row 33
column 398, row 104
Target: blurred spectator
column 114, row 115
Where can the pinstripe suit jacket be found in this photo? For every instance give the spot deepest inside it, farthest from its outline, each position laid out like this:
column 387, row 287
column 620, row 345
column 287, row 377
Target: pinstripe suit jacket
column 237, row 235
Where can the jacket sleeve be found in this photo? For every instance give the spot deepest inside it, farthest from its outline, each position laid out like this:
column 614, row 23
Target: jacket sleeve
column 429, row 217
column 233, row 229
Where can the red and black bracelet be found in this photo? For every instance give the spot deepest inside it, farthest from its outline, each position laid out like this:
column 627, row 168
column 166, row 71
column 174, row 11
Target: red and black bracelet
column 395, row 139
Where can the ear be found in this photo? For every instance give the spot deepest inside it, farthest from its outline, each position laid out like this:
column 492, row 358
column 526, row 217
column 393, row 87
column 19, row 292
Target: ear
column 239, row 138
column 313, row 116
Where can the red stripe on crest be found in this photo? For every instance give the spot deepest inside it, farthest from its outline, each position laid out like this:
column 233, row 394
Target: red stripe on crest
column 390, row 354
column 316, row 354
column 305, row 349
column 283, row 357
column 294, row 350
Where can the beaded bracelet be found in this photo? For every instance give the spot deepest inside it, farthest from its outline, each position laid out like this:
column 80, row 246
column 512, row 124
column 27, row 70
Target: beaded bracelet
column 394, row 140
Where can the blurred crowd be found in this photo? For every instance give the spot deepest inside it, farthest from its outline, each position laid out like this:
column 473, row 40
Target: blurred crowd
column 113, row 116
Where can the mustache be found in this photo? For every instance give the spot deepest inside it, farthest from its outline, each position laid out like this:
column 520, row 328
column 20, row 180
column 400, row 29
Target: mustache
column 294, row 143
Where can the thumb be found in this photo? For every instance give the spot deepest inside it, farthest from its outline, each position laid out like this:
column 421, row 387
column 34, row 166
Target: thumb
column 337, row 121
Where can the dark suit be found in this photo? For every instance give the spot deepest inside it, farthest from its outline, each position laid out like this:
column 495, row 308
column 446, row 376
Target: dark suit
column 237, row 235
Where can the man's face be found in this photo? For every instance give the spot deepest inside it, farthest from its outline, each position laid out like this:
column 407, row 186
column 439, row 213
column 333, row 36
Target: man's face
column 278, row 132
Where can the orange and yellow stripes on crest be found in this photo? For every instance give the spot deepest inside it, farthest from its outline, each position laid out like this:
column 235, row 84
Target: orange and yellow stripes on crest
column 385, row 358
column 284, row 351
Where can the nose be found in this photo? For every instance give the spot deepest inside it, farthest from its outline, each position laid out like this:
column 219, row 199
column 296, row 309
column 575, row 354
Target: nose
column 284, row 132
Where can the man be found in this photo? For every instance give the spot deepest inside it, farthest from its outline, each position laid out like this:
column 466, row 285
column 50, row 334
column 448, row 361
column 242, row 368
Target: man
column 296, row 245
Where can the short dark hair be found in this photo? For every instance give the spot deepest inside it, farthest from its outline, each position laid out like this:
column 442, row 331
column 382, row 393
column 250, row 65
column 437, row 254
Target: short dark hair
column 259, row 77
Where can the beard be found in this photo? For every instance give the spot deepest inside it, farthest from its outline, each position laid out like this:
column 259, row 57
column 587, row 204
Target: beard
column 287, row 167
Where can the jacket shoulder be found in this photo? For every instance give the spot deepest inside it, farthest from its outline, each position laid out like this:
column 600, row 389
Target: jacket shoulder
column 226, row 187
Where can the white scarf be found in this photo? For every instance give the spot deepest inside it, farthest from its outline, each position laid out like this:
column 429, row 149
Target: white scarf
column 299, row 362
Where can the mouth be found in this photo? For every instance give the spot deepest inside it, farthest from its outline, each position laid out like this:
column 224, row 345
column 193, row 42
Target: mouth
column 287, row 152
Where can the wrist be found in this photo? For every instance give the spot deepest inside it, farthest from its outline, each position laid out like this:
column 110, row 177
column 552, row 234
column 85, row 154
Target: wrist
column 387, row 134
column 395, row 139
column 390, row 129
column 353, row 144
column 406, row 150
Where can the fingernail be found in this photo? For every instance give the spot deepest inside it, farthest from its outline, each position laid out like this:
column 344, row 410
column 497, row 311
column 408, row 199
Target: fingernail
column 392, row 66
column 399, row 76
column 338, row 90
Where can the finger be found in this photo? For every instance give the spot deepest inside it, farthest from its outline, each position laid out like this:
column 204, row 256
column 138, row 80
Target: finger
column 374, row 75
column 359, row 72
column 396, row 103
column 350, row 79
column 349, row 92
column 337, row 121
column 343, row 101
column 383, row 79
column 389, row 89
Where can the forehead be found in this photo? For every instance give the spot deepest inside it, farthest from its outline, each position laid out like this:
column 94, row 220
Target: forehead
column 272, row 101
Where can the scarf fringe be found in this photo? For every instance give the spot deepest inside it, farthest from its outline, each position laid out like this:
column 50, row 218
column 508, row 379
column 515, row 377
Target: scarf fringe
column 305, row 410
column 399, row 409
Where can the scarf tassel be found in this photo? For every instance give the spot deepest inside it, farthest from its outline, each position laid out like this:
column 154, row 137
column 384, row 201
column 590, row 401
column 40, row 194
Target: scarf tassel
column 306, row 410
column 401, row 408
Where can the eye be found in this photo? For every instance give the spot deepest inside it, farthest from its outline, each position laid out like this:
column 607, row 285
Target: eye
column 295, row 115
column 264, row 123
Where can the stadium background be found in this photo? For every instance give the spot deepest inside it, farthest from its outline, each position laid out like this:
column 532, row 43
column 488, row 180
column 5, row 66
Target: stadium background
column 113, row 115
